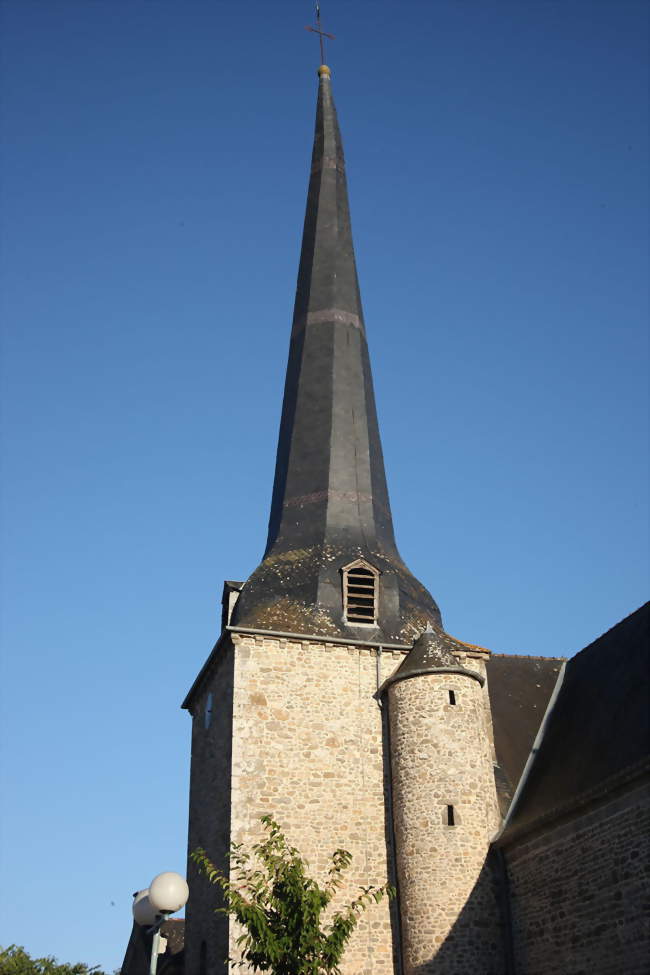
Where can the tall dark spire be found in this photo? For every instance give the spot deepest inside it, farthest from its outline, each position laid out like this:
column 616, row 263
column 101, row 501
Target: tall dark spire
column 330, row 501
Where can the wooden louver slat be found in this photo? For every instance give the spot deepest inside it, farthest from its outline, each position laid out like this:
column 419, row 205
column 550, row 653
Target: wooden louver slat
column 360, row 595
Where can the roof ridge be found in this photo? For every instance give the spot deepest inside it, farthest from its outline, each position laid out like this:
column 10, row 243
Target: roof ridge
column 528, row 656
column 611, row 628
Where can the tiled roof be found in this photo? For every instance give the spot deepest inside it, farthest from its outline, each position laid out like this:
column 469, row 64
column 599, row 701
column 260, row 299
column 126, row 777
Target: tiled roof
column 520, row 688
column 598, row 730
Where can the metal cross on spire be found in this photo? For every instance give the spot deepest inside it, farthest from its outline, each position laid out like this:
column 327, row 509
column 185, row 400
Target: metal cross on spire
column 321, row 34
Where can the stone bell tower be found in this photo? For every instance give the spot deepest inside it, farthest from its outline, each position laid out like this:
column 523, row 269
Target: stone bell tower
column 288, row 710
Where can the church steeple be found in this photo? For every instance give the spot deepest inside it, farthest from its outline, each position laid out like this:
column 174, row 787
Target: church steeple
column 330, row 512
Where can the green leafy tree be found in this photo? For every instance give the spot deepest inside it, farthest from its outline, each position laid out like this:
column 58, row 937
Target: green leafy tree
column 280, row 907
column 16, row 961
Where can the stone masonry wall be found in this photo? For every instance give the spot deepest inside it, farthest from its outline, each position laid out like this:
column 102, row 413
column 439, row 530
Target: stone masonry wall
column 206, row 933
column 580, row 892
column 307, row 748
column 441, row 757
column 475, row 660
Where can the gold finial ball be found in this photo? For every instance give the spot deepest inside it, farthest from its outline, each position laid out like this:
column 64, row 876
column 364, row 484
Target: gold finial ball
column 324, row 72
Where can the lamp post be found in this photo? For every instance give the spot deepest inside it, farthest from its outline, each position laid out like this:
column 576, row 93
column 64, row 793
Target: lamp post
column 165, row 895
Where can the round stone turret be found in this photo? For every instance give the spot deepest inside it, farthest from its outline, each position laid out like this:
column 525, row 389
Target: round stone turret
column 444, row 811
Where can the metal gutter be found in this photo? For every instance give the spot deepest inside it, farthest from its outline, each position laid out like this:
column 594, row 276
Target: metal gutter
column 321, row 638
column 533, row 752
column 610, row 788
column 388, row 758
column 378, row 669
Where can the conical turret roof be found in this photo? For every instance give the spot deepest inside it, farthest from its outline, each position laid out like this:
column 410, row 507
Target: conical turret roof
column 330, row 502
column 434, row 652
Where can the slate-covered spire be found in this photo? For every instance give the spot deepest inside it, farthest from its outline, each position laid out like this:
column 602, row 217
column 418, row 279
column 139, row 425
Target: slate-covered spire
column 330, row 502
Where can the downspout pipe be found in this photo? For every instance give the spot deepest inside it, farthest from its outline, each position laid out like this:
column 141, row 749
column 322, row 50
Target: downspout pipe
column 502, row 863
column 533, row 753
column 382, row 703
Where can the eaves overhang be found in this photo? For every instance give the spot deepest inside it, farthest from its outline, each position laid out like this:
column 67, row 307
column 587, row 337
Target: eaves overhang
column 426, row 671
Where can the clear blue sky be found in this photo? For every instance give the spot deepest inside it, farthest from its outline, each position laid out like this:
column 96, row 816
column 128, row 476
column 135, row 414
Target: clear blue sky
column 155, row 164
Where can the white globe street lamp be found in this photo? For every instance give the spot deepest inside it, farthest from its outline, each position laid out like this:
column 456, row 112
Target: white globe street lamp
column 168, row 892
column 144, row 913
column 165, row 895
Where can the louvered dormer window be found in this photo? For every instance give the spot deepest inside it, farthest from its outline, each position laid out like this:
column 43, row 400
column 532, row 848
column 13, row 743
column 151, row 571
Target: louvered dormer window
column 360, row 593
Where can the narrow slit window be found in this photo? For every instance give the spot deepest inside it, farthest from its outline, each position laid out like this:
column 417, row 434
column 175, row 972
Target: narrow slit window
column 207, row 714
column 360, row 594
column 450, row 816
column 452, row 697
